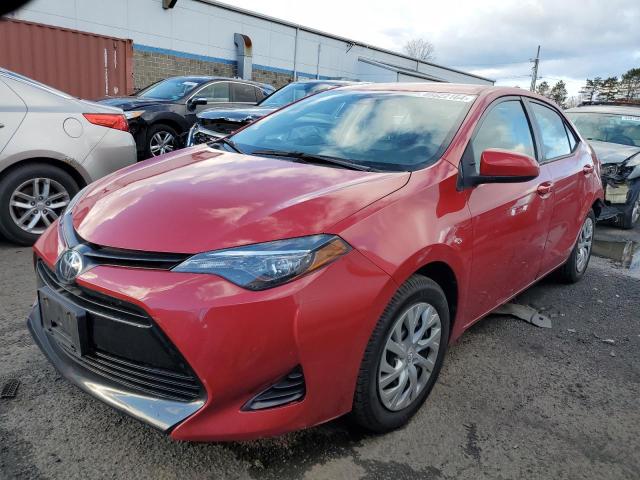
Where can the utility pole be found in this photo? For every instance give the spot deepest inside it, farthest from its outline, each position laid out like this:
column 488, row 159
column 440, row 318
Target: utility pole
column 534, row 70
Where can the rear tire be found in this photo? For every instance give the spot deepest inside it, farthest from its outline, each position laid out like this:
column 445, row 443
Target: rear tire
column 373, row 406
column 20, row 204
column 576, row 265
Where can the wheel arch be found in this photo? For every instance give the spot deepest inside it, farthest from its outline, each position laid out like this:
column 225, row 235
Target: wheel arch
column 169, row 122
column 77, row 176
column 442, row 273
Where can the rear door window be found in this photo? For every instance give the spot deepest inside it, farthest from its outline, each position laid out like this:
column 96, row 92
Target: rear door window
column 553, row 133
column 506, row 127
column 244, row 93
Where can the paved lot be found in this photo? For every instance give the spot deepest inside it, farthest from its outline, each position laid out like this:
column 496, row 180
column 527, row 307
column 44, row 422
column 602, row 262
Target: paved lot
column 513, row 401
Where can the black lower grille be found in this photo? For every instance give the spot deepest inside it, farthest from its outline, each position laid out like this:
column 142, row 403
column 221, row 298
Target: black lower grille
column 287, row 390
column 154, row 381
column 125, row 344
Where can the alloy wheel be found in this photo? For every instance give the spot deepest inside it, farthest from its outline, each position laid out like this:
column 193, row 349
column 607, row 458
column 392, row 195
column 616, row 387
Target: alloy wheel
column 409, row 356
column 161, row 142
column 585, row 242
column 36, row 203
column 635, row 213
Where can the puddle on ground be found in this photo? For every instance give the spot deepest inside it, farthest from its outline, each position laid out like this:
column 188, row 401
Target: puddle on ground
column 626, row 253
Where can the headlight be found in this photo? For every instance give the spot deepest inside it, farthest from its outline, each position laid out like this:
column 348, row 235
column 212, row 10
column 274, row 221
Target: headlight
column 265, row 265
column 133, row 114
column 634, row 162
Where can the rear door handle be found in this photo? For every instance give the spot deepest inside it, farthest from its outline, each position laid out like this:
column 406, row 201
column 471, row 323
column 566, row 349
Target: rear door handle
column 544, row 189
column 1, row 125
column 587, row 169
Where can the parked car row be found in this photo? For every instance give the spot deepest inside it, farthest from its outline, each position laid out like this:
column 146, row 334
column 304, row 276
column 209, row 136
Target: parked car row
column 162, row 113
column 220, row 121
column 317, row 262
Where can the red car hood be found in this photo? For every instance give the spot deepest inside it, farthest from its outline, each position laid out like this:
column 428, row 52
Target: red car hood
column 202, row 199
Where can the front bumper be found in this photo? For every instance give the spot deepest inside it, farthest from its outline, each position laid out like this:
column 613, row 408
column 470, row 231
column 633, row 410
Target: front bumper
column 160, row 413
column 239, row 343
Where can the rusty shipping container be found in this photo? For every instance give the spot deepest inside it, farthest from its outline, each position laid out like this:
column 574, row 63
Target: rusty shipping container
column 82, row 64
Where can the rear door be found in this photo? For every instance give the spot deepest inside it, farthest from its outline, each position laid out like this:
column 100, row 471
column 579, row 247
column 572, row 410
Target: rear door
column 510, row 220
column 571, row 171
column 12, row 111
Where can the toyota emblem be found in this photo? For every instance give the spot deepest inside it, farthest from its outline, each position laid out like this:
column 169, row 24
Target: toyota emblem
column 69, row 266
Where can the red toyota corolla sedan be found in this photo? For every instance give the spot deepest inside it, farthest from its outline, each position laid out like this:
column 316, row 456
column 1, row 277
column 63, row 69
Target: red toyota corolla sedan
column 317, row 262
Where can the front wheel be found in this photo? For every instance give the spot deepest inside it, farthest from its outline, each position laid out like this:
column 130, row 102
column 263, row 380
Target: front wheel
column 576, row 265
column 403, row 357
column 161, row 139
column 631, row 215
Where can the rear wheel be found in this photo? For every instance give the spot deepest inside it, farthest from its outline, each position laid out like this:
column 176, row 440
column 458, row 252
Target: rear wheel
column 575, row 267
column 161, row 139
column 403, row 357
column 31, row 198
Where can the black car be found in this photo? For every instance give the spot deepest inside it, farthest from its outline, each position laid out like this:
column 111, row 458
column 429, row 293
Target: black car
column 224, row 119
column 163, row 112
column 614, row 133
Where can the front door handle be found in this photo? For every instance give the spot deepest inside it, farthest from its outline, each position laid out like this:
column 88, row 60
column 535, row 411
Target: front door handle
column 544, row 189
column 587, row 169
column 1, row 125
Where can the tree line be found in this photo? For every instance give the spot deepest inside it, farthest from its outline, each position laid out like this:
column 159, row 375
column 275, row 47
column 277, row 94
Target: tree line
column 626, row 88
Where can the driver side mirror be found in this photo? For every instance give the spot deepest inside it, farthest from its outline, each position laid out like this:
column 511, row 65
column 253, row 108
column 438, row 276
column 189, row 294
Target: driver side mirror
column 194, row 102
column 505, row 166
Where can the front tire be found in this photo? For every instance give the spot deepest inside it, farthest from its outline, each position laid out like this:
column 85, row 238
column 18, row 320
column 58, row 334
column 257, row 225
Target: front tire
column 31, row 198
column 403, row 357
column 576, row 265
column 631, row 215
column 161, row 139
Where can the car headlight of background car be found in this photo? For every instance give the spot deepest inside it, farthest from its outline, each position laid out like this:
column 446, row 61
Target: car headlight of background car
column 133, row 114
column 633, row 162
column 265, row 265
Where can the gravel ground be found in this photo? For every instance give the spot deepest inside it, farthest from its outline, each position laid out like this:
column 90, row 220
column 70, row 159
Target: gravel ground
column 513, row 401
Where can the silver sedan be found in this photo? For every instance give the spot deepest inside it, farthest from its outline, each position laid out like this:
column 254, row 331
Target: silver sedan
column 51, row 145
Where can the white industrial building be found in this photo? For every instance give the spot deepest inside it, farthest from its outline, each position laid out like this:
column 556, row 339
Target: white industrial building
column 202, row 35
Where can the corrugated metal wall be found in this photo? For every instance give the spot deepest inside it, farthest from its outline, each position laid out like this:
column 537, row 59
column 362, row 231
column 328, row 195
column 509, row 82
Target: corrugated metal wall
column 83, row 64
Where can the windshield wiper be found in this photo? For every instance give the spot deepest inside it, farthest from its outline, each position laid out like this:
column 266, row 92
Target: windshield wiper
column 311, row 157
column 226, row 141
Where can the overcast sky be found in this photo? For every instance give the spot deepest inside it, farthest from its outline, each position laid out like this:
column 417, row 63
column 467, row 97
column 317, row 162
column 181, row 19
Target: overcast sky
column 492, row 38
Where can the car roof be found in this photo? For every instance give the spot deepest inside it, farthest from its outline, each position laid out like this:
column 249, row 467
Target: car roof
column 442, row 87
column 633, row 110
column 207, row 78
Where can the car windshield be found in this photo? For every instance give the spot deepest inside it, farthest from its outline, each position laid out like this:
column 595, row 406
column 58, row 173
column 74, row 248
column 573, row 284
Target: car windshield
column 293, row 92
column 608, row 127
column 392, row 131
column 170, row 89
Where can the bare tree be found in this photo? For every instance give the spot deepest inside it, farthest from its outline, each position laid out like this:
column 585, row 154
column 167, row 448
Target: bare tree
column 420, row 48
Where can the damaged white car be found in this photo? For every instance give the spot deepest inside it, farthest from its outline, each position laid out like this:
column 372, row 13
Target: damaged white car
column 614, row 133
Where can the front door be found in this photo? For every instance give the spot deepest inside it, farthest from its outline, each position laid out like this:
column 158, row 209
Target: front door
column 510, row 220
